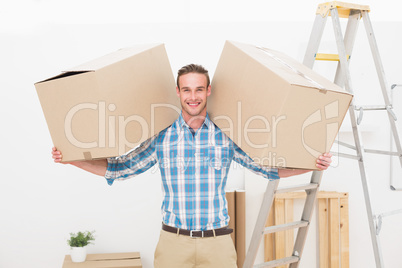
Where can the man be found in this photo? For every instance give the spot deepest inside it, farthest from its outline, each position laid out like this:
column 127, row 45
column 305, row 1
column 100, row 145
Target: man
column 194, row 157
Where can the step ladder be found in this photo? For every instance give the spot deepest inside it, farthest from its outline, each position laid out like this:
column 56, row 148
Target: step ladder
column 345, row 44
column 303, row 225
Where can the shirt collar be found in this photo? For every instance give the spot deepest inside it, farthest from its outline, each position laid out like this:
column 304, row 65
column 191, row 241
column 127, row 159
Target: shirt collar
column 181, row 123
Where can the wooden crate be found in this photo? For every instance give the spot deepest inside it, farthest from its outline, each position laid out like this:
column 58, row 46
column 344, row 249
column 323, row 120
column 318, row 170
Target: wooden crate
column 333, row 228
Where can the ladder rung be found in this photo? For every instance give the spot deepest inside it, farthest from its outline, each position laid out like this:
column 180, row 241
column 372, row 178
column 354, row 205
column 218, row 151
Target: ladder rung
column 371, row 107
column 345, row 145
column 300, row 187
column 279, row 262
column 329, row 57
column 381, row 152
column 286, row 226
column 351, row 156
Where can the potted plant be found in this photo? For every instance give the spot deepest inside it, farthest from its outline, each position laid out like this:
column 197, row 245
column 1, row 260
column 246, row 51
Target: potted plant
column 78, row 243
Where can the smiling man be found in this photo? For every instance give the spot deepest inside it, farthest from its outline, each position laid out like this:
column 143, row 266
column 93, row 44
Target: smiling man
column 194, row 158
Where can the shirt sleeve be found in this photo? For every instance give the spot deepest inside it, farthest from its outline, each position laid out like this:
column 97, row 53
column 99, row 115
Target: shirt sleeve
column 133, row 163
column 243, row 159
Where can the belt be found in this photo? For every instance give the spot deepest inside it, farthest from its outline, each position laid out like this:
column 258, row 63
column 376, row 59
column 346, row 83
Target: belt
column 206, row 233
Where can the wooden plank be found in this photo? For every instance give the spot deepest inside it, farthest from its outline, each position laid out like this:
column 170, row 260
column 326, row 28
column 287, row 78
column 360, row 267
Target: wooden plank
column 230, row 197
column 334, row 232
column 344, row 232
column 240, row 197
column 289, row 234
column 323, row 232
column 280, row 236
column 269, row 242
column 107, row 260
column 333, row 224
column 289, row 195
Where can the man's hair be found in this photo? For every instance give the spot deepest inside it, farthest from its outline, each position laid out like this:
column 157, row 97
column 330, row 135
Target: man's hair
column 192, row 68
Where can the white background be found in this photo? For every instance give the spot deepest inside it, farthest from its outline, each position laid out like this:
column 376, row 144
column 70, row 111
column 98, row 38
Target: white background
column 42, row 202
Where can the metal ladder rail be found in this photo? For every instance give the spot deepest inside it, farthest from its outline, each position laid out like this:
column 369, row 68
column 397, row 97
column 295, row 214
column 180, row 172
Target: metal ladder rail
column 357, row 137
column 383, row 83
column 342, row 77
column 260, row 229
column 306, row 216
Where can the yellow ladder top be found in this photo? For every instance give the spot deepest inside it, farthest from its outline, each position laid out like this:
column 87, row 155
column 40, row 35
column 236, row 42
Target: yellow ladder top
column 344, row 9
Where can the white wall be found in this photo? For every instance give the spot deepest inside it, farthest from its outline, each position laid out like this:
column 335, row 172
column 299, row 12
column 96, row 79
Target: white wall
column 41, row 202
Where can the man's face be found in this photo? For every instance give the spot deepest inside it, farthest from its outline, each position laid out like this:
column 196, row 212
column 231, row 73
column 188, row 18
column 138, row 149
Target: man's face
column 193, row 94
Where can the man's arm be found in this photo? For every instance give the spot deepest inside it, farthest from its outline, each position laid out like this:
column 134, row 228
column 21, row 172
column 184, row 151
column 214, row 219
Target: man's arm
column 97, row 167
column 323, row 162
column 126, row 166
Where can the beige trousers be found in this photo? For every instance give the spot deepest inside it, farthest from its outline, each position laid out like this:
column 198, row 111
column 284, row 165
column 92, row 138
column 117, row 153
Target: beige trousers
column 180, row 251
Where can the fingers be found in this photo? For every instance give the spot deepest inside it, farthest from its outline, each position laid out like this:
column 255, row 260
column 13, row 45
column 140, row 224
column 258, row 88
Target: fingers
column 324, row 161
column 56, row 155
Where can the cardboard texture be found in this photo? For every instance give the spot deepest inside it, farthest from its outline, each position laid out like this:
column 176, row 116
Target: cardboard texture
column 280, row 112
column 108, row 106
column 107, row 260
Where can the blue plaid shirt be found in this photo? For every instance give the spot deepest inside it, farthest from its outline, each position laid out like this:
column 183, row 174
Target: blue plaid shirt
column 194, row 169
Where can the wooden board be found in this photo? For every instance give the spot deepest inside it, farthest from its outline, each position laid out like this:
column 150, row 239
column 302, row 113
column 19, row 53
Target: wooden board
column 333, row 228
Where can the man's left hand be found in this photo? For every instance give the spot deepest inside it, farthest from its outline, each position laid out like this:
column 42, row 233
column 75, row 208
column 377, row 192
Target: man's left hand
column 324, row 161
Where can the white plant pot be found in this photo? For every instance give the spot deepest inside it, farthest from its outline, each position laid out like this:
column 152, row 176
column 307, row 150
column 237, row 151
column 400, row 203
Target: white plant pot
column 78, row 254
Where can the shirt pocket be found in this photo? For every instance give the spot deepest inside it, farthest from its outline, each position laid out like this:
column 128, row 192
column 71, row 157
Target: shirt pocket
column 219, row 157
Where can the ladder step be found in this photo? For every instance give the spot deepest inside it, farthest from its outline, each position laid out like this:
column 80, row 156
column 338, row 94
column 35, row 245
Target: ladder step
column 294, row 188
column 279, row 262
column 329, row 57
column 381, row 152
column 351, row 156
column 286, row 226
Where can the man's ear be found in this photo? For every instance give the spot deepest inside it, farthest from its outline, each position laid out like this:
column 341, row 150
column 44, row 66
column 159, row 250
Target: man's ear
column 209, row 90
column 178, row 91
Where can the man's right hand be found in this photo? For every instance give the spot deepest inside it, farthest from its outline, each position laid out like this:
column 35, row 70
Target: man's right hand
column 57, row 156
column 97, row 167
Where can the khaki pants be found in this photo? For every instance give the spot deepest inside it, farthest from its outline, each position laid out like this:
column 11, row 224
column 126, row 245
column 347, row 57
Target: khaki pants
column 180, row 251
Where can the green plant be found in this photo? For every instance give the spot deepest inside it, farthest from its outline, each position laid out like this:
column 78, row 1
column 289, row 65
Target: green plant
column 81, row 239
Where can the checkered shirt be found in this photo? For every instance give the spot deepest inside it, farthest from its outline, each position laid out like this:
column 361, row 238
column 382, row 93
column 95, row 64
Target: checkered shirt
column 194, row 170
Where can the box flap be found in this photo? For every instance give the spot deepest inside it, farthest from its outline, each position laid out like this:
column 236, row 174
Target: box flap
column 59, row 76
column 111, row 58
column 292, row 71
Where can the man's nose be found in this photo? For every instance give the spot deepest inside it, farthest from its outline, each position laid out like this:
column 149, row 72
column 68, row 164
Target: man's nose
column 193, row 95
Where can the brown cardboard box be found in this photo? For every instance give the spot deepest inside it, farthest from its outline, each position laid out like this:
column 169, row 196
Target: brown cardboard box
column 107, row 106
column 277, row 110
column 108, row 260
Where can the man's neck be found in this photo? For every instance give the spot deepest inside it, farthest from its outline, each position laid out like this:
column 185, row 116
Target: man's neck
column 195, row 122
